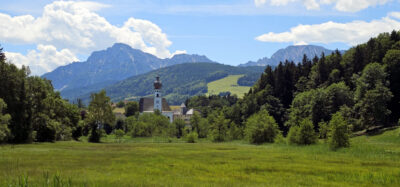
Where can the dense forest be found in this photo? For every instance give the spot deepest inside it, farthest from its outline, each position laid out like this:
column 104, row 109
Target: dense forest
column 337, row 93
column 328, row 97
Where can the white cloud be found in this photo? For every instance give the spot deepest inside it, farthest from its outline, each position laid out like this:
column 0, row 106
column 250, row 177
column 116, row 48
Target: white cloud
column 351, row 33
column 76, row 27
column 260, row 2
column 340, row 5
column 178, row 52
column 395, row 15
column 301, row 43
column 46, row 58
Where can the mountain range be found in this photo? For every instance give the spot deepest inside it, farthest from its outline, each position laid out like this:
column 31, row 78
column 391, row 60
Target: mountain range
column 108, row 66
column 291, row 53
column 127, row 73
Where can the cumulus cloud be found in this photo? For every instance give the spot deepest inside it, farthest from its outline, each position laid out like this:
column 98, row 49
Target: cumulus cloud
column 340, row 5
column 351, row 33
column 76, row 27
column 44, row 59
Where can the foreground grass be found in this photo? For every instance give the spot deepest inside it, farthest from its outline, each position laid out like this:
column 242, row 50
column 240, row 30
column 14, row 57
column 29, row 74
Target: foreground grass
column 370, row 161
column 227, row 84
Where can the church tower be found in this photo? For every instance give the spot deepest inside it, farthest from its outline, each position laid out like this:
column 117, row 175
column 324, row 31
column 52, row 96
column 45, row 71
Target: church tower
column 157, row 94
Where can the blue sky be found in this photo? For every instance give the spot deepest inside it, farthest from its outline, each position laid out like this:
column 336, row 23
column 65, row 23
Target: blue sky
column 46, row 34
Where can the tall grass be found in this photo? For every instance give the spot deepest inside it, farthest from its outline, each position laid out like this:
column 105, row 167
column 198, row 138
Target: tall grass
column 369, row 161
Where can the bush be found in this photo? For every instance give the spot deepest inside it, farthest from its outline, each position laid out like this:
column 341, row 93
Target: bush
column 323, row 130
column 95, row 134
column 293, row 135
column 339, row 135
column 119, row 134
column 303, row 134
column 279, row 139
column 261, row 128
column 192, row 137
column 235, row 132
column 179, row 124
column 140, row 129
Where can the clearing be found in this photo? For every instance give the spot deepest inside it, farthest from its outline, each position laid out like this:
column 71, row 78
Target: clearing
column 227, row 84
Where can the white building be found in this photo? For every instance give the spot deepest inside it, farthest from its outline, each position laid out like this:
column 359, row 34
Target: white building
column 150, row 104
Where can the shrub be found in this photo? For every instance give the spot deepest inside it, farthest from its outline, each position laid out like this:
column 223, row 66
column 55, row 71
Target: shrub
column 179, row 124
column 323, row 130
column 235, row 132
column 192, row 137
column 95, row 134
column 307, row 134
column 293, row 135
column 339, row 135
column 261, row 128
column 279, row 139
column 303, row 134
column 119, row 134
column 140, row 129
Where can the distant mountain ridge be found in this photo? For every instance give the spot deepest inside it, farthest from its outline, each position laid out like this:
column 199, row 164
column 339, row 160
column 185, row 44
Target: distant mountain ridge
column 108, row 66
column 291, row 53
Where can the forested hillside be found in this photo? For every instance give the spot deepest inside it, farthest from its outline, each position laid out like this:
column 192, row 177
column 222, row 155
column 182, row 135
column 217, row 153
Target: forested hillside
column 179, row 81
column 362, row 84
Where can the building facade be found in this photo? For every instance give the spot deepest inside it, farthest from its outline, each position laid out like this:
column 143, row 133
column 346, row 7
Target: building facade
column 150, row 104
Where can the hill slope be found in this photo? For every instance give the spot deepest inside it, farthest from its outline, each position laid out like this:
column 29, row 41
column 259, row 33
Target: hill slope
column 290, row 53
column 108, row 66
column 227, row 84
column 179, row 81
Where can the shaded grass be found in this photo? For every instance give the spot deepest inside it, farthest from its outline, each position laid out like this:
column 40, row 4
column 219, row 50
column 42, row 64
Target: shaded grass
column 227, row 84
column 370, row 161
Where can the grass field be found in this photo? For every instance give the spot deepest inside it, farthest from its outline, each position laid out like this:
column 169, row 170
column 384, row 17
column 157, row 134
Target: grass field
column 226, row 84
column 119, row 110
column 370, row 161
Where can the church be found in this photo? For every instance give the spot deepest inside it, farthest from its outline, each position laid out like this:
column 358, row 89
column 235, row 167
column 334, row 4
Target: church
column 150, row 104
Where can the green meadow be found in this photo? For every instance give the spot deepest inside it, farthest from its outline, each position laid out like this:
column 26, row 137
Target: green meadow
column 226, row 84
column 370, row 161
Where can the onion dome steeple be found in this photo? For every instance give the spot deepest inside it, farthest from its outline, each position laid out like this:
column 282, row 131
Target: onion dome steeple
column 157, row 83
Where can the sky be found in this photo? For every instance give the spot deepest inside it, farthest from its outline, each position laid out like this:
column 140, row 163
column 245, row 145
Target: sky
column 45, row 34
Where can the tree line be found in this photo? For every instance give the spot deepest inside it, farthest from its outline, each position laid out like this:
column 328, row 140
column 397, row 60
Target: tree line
column 326, row 97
